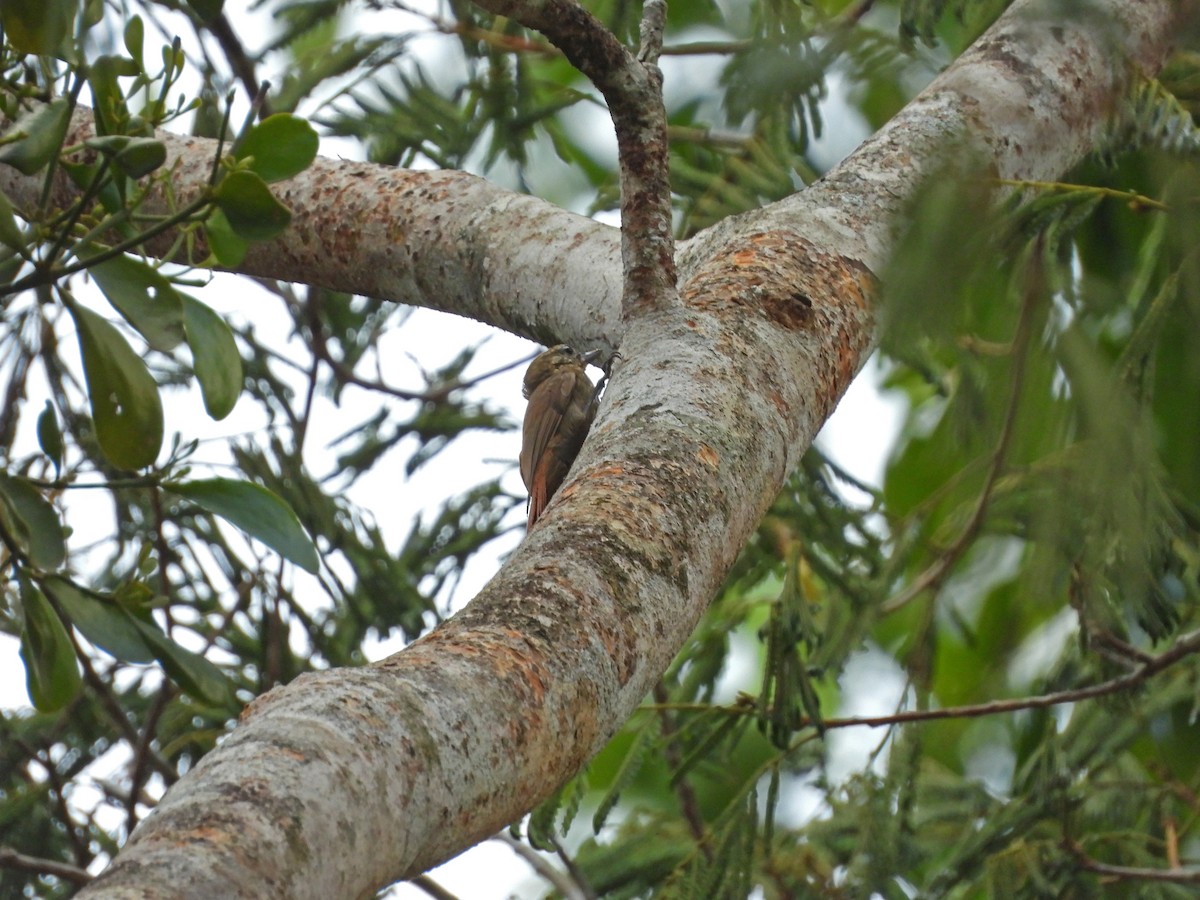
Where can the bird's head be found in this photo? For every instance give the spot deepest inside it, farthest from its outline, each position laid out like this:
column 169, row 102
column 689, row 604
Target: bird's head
column 552, row 361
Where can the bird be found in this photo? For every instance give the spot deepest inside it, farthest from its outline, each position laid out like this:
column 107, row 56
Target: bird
column 562, row 404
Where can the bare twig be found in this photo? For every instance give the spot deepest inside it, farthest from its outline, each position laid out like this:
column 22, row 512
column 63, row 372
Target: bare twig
column 1129, row 873
column 432, row 888
column 1186, row 646
column 687, row 795
column 11, row 859
column 563, row 884
column 576, row 873
column 936, row 573
column 654, row 21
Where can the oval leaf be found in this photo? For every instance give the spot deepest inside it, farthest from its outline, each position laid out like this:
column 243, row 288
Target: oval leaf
column 10, row 232
column 49, row 436
column 135, row 156
column 227, row 248
column 141, row 157
column 102, row 622
column 51, row 673
column 279, row 146
column 32, row 522
column 145, row 298
column 43, row 131
column 37, row 26
column 256, row 511
column 251, row 208
column 126, row 407
column 215, row 357
column 135, row 33
column 192, row 672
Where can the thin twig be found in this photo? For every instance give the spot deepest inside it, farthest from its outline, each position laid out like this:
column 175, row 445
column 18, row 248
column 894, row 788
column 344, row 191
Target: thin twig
column 687, row 795
column 11, row 859
column 576, row 873
column 559, row 880
column 1186, row 646
column 654, row 22
column 432, row 888
column 1129, row 873
column 936, row 573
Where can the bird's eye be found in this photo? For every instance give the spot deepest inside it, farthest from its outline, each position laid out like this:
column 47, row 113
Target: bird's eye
column 567, row 349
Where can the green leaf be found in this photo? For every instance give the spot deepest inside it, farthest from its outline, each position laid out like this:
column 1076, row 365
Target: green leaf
column 51, row 673
column 146, row 298
column 135, row 33
column 37, row 26
column 49, row 436
column 192, row 672
column 255, row 510
column 228, row 249
column 38, row 137
column 125, row 404
column 279, row 147
column 251, row 208
column 135, row 156
column 10, row 231
column 141, row 157
column 108, row 100
column 103, row 622
column 215, row 357
column 31, row 522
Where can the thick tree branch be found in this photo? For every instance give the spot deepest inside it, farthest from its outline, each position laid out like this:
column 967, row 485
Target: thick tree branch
column 344, row 781
column 442, row 240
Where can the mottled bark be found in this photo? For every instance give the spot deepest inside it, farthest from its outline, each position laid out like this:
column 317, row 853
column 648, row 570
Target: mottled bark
column 346, row 780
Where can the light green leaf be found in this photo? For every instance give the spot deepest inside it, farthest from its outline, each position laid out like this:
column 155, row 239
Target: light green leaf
column 108, row 100
column 51, row 673
column 42, row 132
column 10, row 231
column 145, row 297
column 103, row 622
column 135, row 33
column 37, row 26
column 251, row 208
column 126, row 407
column 215, row 356
column 227, row 247
column 135, row 156
column 279, row 146
column 255, row 510
column 32, row 522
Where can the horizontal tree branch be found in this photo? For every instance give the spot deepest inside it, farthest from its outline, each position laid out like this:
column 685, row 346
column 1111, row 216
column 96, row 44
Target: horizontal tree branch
column 1184, row 647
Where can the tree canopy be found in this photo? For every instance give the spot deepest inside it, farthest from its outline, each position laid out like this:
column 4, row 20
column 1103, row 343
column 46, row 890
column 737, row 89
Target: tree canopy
column 1023, row 584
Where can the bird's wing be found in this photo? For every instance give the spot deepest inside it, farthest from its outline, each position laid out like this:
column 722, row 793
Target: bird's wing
column 543, row 416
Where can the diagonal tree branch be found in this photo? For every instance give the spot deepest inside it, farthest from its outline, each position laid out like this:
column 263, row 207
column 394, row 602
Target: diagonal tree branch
column 346, row 780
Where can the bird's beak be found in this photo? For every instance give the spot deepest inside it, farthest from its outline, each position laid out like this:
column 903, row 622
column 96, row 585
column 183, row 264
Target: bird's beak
column 589, row 356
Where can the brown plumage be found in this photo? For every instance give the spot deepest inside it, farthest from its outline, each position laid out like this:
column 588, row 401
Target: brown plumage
column 562, row 404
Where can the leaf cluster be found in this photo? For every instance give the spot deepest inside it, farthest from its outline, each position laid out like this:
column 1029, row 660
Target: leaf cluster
column 155, row 583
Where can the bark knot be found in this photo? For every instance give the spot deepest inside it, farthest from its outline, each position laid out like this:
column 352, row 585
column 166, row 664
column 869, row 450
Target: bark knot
column 781, row 276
